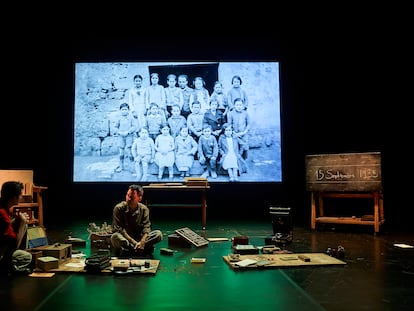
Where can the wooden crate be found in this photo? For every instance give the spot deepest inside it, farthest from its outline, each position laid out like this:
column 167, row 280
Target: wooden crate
column 63, row 252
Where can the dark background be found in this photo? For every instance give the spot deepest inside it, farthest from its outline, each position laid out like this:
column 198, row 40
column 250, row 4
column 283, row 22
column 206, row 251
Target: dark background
column 337, row 81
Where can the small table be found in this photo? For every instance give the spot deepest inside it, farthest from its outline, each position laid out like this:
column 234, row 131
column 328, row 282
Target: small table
column 317, row 200
column 165, row 187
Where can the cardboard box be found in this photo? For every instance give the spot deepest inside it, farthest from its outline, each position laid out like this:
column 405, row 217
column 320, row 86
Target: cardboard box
column 36, row 237
column 47, row 263
column 62, row 252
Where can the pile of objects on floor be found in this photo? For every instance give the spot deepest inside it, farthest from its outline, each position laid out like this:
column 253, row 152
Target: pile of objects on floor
column 98, row 261
column 100, row 236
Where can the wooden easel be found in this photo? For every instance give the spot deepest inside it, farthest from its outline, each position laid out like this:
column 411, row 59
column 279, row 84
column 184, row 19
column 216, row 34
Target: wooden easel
column 318, row 212
column 343, row 176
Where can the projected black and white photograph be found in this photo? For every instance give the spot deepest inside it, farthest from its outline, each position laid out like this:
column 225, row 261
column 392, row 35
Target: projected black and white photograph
column 162, row 122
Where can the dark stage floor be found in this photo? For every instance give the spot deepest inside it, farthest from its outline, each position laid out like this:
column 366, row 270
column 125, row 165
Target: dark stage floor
column 377, row 275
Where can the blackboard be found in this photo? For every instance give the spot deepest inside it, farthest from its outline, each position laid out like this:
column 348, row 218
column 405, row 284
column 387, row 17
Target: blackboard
column 344, row 172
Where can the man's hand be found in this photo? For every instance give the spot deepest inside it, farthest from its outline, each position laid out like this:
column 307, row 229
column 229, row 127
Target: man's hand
column 139, row 245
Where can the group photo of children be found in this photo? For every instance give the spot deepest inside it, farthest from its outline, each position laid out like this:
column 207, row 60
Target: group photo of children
column 177, row 121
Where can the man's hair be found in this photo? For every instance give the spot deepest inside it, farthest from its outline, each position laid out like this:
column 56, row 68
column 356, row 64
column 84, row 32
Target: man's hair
column 11, row 189
column 138, row 188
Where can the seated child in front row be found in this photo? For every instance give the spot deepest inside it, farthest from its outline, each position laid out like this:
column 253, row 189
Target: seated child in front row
column 185, row 149
column 208, row 152
column 143, row 151
column 229, row 150
column 164, row 152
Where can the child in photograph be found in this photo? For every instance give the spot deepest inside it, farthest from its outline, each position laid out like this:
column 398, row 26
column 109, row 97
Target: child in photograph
column 173, row 94
column 215, row 118
column 164, row 152
column 236, row 91
column 185, row 149
column 155, row 93
column 136, row 100
column 208, row 152
column 186, row 91
column 219, row 96
column 176, row 121
column 228, row 144
column 124, row 128
column 200, row 94
column 195, row 121
column 239, row 120
column 143, row 151
column 155, row 121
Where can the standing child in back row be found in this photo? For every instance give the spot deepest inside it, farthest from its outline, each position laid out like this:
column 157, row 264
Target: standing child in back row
column 155, row 93
column 219, row 96
column 136, row 101
column 173, row 94
column 186, row 91
column 200, row 94
column 236, row 91
column 239, row 120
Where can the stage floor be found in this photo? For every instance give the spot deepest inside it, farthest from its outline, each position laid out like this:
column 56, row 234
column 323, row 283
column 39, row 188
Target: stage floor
column 376, row 274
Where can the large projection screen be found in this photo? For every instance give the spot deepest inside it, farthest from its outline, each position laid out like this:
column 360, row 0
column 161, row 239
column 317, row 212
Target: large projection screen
column 103, row 151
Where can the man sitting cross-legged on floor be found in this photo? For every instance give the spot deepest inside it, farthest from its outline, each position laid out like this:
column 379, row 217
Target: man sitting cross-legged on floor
column 132, row 226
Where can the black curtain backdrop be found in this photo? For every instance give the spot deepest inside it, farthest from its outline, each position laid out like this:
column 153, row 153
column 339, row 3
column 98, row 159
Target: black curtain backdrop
column 332, row 90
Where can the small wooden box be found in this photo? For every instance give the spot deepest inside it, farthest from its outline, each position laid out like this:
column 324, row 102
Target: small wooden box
column 121, row 265
column 36, row 237
column 47, row 263
column 99, row 241
column 62, row 252
column 35, row 256
column 178, row 241
column 239, row 240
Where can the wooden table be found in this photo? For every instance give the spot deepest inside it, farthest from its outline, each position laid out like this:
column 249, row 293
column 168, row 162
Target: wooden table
column 318, row 215
column 148, row 190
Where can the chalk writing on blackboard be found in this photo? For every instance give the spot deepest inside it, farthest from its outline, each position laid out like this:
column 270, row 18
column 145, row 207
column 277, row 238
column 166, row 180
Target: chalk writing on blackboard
column 343, row 172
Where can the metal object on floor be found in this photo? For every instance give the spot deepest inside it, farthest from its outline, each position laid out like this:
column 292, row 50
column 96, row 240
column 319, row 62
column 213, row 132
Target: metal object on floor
column 281, row 224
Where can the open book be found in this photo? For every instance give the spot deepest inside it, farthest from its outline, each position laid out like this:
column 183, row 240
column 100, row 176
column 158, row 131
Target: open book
column 245, row 262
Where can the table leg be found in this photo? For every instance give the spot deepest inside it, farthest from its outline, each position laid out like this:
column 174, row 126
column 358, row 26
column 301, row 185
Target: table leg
column 376, row 213
column 313, row 211
column 203, row 209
